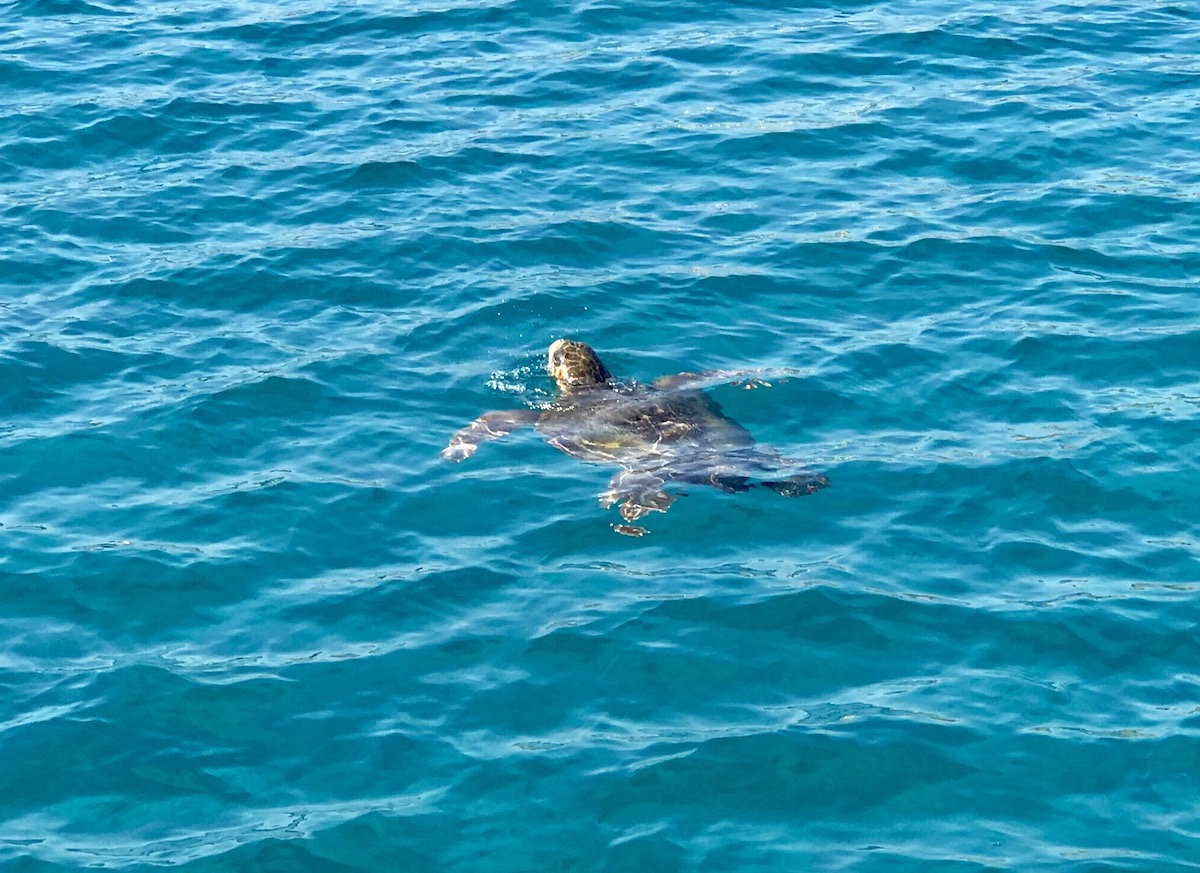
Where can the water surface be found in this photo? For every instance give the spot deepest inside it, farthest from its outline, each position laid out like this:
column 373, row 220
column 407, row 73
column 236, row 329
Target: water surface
column 258, row 262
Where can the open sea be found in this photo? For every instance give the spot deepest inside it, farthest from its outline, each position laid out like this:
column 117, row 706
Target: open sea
column 259, row 260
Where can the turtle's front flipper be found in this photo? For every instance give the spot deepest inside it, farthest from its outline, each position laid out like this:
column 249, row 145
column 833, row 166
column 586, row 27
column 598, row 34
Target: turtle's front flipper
column 489, row 426
column 709, row 378
column 798, row 486
column 641, row 493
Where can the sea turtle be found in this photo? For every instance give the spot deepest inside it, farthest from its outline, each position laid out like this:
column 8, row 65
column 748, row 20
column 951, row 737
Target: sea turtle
column 670, row 431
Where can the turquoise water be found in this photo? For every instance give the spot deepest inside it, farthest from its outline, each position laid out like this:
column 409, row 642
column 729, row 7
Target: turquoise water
column 258, row 261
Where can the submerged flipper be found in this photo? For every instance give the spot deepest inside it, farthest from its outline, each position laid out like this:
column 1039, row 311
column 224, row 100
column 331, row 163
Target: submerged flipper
column 641, row 493
column 489, row 426
column 709, row 378
column 798, row 486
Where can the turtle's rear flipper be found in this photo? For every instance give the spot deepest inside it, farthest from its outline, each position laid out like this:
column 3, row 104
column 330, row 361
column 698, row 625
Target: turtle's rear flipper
column 798, row 486
column 639, row 493
column 723, row 476
column 637, row 505
column 732, row 484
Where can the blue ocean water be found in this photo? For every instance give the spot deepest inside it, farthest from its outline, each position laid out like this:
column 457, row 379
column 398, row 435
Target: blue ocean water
column 259, row 260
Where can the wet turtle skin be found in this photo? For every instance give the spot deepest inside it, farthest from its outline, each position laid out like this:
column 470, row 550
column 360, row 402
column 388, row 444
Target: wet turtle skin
column 667, row 432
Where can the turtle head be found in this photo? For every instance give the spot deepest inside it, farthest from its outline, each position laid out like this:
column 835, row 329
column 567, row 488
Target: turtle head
column 575, row 365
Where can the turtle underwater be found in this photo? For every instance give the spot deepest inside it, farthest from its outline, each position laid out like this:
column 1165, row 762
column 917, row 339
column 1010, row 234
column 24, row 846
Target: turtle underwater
column 668, row 432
